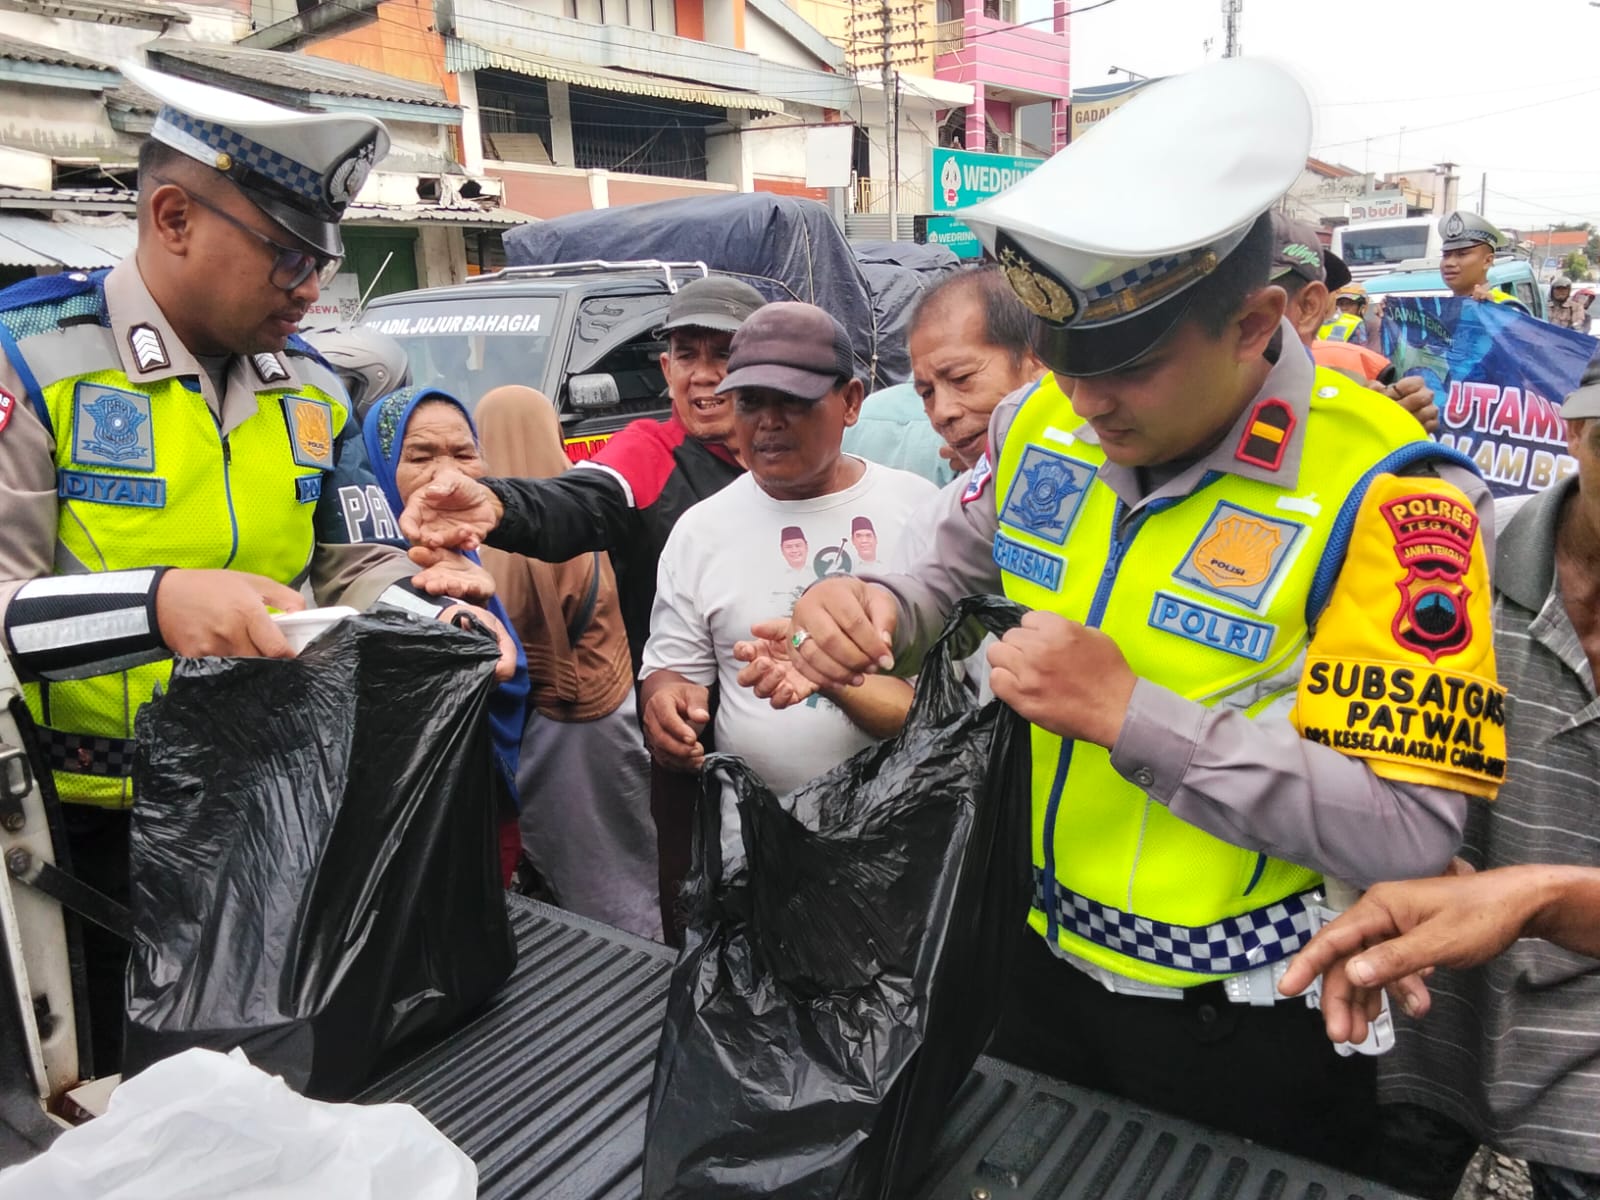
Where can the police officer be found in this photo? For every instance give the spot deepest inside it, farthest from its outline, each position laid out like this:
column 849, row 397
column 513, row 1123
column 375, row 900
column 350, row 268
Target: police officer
column 1565, row 310
column 174, row 461
column 1347, row 323
column 1470, row 244
column 1242, row 570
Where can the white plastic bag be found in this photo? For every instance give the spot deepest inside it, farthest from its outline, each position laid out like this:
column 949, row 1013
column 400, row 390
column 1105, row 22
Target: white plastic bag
column 202, row 1126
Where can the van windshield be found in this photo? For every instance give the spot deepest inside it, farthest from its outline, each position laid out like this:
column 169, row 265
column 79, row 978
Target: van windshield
column 470, row 346
column 1383, row 244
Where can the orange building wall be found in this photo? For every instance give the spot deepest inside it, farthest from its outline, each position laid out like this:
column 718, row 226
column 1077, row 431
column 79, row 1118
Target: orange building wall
column 543, row 196
column 789, row 187
column 691, row 18
column 639, row 191
column 401, row 42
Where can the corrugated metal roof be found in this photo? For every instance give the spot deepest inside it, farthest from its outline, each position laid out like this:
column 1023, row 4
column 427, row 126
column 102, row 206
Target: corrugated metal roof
column 17, row 50
column 546, row 1090
column 34, row 242
column 295, row 72
column 468, row 56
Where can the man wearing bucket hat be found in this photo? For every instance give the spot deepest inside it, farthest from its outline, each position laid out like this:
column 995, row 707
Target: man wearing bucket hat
column 174, row 461
column 1242, row 570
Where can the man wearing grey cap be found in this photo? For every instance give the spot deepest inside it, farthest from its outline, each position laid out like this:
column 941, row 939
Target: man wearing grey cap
column 731, row 564
column 1507, row 1052
column 1470, row 244
column 174, row 460
column 1241, row 569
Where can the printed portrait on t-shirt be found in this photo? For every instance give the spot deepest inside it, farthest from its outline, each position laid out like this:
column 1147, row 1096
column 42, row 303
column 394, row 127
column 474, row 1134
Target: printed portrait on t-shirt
column 794, row 546
column 865, row 538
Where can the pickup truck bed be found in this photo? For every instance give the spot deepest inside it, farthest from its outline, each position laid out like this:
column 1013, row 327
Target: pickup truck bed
column 546, row 1090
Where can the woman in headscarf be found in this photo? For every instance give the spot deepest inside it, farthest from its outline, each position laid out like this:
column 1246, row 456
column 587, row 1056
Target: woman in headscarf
column 409, row 435
column 584, row 776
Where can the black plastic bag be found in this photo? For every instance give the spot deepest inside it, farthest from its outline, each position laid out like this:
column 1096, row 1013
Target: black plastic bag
column 837, row 987
column 314, row 871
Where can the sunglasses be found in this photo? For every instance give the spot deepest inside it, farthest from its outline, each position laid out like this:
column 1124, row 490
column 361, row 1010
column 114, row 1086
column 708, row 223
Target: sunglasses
column 291, row 267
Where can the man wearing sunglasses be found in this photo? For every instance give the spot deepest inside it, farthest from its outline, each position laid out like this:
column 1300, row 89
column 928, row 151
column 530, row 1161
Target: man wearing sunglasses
column 175, row 462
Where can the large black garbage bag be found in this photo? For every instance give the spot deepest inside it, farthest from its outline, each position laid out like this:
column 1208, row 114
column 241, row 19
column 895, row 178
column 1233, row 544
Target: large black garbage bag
column 314, row 874
column 837, row 987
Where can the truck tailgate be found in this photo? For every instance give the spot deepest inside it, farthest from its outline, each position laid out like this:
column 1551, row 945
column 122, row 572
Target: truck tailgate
column 546, row 1090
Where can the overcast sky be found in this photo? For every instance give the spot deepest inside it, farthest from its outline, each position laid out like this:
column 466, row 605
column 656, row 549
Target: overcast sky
column 1511, row 88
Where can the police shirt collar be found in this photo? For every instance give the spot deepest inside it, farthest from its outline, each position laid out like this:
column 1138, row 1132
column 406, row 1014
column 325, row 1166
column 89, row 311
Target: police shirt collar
column 149, row 348
column 1252, row 449
column 1288, row 383
column 151, row 351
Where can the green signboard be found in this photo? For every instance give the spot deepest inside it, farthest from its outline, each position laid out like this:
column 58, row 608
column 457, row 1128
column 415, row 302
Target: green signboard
column 961, row 178
column 953, row 236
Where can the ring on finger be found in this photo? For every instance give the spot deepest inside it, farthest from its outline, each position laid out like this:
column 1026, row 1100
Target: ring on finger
column 799, row 638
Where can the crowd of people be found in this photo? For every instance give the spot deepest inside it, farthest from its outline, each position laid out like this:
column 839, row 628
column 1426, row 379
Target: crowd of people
column 1277, row 647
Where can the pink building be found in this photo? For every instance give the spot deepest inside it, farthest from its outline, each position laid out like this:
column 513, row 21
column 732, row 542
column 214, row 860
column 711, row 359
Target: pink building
column 1009, row 65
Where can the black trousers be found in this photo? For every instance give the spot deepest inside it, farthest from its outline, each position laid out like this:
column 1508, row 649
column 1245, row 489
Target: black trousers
column 97, row 840
column 1268, row 1074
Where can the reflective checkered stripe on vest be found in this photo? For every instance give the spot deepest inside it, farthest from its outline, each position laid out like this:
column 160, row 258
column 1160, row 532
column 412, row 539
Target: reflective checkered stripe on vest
column 1207, row 595
column 144, row 477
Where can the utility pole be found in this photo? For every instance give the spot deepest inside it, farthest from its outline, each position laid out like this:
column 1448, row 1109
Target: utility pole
column 1231, row 9
column 891, row 100
column 1483, row 193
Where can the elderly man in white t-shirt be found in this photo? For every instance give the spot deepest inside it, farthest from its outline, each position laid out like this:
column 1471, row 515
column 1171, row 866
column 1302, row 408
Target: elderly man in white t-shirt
column 734, row 562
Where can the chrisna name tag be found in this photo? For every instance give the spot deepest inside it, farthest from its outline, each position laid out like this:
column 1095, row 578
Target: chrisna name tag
column 1036, row 566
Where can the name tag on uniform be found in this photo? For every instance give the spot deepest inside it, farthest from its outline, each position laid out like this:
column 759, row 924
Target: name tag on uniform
column 1211, row 627
column 310, row 431
column 1035, row 566
column 95, row 488
column 111, row 428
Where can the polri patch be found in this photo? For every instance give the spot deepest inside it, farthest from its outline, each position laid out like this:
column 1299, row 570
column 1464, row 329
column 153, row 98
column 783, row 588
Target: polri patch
column 129, row 491
column 1212, row 627
column 8, row 405
column 310, row 431
column 111, row 428
column 1239, row 554
column 1266, row 434
column 1046, row 494
column 1036, row 566
column 307, row 488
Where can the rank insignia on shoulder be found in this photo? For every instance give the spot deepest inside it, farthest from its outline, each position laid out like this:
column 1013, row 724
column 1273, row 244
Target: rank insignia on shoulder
column 269, row 368
column 1266, row 435
column 111, row 428
column 310, row 431
column 149, row 351
column 1046, row 494
column 1239, row 554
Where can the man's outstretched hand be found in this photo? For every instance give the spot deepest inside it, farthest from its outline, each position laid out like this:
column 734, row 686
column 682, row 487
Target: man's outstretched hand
column 453, row 512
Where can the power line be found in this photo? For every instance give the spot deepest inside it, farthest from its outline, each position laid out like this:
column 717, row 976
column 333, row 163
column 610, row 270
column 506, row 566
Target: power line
column 1460, row 120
